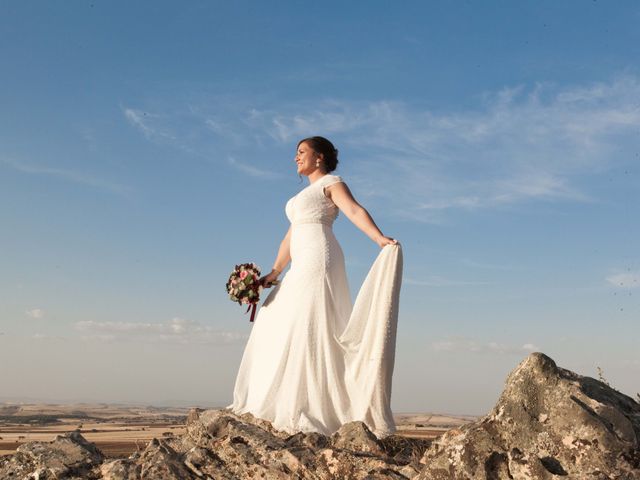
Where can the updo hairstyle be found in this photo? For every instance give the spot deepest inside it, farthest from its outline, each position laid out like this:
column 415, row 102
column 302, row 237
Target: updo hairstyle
column 326, row 148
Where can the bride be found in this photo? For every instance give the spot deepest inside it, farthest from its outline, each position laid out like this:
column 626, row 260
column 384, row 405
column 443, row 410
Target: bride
column 314, row 361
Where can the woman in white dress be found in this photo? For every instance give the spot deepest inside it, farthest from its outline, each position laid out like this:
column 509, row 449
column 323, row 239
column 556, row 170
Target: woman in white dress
column 314, row 361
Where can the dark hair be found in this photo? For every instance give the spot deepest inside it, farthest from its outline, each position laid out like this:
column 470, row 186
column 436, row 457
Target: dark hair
column 326, row 148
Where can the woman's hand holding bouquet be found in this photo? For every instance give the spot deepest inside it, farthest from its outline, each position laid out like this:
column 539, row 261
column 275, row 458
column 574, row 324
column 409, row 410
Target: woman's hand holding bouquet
column 244, row 285
column 270, row 279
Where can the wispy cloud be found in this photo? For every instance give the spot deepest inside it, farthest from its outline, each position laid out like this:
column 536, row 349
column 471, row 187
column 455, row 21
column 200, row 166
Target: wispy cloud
column 519, row 144
column 252, row 170
column 465, row 345
column 626, row 280
column 68, row 175
column 146, row 122
column 437, row 281
column 485, row 265
column 176, row 330
column 46, row 337
column 36, row 313
column 182, row 130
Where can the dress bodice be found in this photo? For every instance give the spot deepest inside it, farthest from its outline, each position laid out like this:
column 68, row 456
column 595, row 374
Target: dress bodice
column 311, row 205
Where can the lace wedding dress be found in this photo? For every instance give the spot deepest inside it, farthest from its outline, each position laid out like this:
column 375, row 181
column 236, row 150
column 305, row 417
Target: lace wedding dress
column 314, row 362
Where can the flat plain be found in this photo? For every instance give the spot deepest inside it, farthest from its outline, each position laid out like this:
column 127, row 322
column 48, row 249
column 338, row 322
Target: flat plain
column 120, row 430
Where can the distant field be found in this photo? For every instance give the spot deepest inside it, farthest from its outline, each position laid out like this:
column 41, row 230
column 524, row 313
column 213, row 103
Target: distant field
column 120, row 430
column 428, row 425
column 117, row 430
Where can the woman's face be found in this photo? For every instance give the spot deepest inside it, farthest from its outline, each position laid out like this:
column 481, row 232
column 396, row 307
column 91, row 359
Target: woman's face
column 306, row 159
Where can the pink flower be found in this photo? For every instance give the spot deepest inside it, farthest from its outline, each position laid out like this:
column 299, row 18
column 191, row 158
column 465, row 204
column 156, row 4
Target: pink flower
column 243, row 274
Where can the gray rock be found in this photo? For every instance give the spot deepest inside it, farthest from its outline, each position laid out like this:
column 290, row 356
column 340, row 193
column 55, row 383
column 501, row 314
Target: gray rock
column 68, row 456
column 120, row 470
column 548, row 423
column 159, row 460
column 356, row 437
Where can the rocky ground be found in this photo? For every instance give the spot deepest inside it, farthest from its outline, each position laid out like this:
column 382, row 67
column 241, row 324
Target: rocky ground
column 119, row 430
column 548, row 423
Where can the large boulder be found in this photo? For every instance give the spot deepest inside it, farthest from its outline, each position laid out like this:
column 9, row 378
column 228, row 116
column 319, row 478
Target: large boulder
column 548, row 423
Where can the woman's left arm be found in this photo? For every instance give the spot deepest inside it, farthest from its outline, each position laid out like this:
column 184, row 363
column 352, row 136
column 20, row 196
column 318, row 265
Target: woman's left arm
column 340, row 194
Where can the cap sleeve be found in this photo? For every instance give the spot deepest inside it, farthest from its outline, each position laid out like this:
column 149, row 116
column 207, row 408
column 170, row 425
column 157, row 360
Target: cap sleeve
column 331, row 179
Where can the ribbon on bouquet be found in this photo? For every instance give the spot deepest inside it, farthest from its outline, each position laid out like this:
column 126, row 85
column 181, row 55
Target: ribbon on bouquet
column 253, row 312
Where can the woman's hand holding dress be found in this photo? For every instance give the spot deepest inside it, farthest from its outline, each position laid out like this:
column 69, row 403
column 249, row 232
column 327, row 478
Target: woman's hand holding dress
column 383, row 241
column 341, row 196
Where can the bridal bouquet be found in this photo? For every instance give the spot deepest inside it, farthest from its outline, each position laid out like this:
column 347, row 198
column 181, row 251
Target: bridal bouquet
column 244, row 286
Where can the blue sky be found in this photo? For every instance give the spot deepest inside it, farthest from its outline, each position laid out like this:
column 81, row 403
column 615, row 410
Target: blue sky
column 146, row 148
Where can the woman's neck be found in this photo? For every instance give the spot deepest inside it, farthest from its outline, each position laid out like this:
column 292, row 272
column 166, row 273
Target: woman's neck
column 315, row 176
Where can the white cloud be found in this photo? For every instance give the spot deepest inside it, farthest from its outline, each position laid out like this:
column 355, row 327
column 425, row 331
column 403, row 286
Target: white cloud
column 36, row 313
column 178, row 131
column 519, row 144
column 437, row 281
column 485, row 265
column 252, row 170
column 142, row 120
column 69, row 175
column 473, row 346
column 43, row 336
column 176, row 330
column 624, row 280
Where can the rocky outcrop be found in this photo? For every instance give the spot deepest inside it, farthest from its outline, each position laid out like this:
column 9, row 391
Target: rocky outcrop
column 68, row 456
column 219, row 444
column 548, row 423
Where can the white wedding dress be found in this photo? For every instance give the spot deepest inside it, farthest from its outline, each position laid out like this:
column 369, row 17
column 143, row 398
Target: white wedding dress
column 314, row 362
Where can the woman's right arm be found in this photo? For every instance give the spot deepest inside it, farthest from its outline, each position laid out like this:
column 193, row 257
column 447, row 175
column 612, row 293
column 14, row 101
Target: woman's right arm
column 282, row 260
